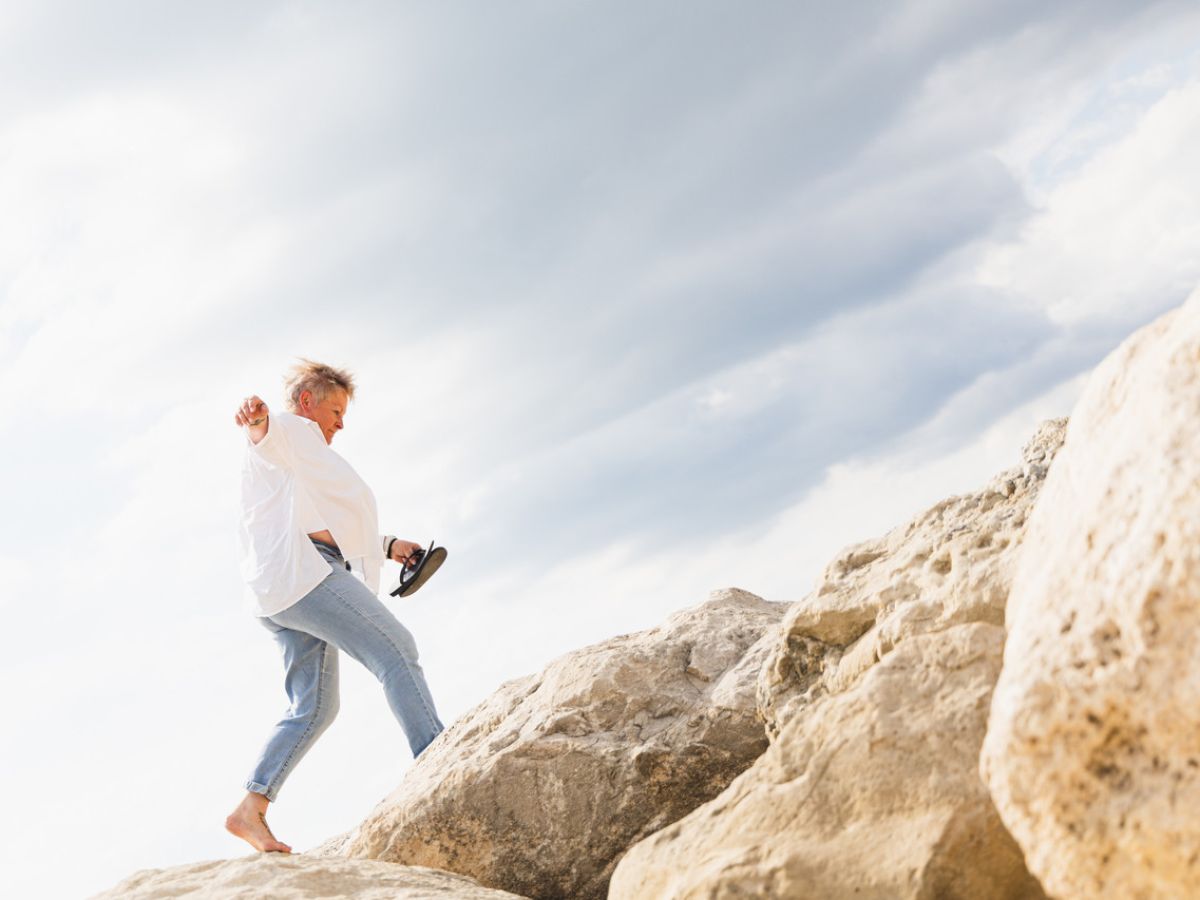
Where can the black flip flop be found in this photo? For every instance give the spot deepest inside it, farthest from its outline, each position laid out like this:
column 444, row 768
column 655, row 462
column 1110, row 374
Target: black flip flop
column 419, row 570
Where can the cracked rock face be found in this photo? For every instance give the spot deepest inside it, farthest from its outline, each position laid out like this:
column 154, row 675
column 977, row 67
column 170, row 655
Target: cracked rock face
column 1093, row 747
column 281, row 876
column 876, row 697
column 952, row 564
column 544, row 785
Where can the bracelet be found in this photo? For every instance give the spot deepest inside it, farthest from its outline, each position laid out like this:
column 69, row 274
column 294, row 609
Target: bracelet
column 387, row 554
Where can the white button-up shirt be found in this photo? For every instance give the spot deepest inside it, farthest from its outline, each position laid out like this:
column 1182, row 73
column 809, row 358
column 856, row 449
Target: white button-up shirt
column 294, row 484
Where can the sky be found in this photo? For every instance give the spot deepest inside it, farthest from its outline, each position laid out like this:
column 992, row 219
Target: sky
column 643, row 300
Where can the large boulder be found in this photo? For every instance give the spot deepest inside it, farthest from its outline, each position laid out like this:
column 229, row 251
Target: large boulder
column 1093, row 747
column 283, row 876
column 876, row 697
column 543, row 786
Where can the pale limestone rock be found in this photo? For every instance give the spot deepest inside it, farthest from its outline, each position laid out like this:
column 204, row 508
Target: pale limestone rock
column 950, row 565
column 1093, row 746
column 872, row 793
column 281, row 876
column 876, row 698
column 542, row 787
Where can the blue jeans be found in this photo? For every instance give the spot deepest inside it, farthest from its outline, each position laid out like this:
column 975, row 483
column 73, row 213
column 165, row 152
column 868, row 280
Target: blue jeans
column 339, row 612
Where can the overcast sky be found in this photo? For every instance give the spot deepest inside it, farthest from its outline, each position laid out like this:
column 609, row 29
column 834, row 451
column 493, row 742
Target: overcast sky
column 644, row 300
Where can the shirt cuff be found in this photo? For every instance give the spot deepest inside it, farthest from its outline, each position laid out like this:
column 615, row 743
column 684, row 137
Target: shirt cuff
column 266, row 437
column 269, row 448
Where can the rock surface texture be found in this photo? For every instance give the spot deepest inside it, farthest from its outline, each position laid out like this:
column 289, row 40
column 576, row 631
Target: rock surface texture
column 1093, row 747
column 543, row 786
column 280, row 876
column 876, row 696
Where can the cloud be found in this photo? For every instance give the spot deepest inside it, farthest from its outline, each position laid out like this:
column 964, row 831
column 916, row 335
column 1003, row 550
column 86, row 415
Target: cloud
column 676, row 468
column 1113, row 242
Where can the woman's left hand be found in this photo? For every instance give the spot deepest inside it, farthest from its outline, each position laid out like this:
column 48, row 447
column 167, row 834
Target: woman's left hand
column 402, row 550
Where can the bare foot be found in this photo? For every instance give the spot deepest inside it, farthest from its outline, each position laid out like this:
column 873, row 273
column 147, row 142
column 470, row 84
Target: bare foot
column 249, row 822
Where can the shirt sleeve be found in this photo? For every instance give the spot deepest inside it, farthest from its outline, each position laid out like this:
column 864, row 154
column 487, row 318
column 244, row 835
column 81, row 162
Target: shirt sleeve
column 275, row 447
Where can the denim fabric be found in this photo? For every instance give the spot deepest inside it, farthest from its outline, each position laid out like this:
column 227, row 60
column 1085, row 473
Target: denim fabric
column 340, row 612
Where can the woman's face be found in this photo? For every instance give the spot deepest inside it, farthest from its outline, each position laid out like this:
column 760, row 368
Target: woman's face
column 327, row 413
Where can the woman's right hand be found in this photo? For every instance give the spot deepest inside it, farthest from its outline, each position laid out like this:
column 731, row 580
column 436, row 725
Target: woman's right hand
column 253, row 412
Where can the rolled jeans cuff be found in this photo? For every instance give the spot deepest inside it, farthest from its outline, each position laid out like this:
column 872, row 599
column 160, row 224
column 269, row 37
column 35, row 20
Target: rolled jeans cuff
column 256, row 788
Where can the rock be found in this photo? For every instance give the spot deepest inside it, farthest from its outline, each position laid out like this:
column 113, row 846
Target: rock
column 951, row 565
column 1093, row 747
column 281, row 876
column 873, row 793
column 876, row 698
column 543, row 786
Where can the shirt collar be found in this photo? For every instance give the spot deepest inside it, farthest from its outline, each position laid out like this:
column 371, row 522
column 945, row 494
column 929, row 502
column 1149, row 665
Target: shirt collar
column 307, row 421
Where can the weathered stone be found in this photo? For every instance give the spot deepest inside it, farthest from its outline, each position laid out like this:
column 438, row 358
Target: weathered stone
column 543, row 786
column 872, row 793
column 876, row 698
column 950, row 565
column 281, row 876
column 1093, row 746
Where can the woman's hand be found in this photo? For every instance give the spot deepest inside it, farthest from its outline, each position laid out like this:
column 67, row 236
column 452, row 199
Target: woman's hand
column 254, row 414
column 402, row 551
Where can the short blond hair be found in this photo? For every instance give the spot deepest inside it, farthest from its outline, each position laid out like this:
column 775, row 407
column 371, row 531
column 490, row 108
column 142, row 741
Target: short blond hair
column 307, row 375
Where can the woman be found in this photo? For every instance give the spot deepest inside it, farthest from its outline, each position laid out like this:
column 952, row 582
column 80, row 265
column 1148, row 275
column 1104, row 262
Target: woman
column 309, row 527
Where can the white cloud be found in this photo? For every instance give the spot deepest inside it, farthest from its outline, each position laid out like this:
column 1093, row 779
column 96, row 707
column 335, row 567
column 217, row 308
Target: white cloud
column 113, row 256
column 1116, row 240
